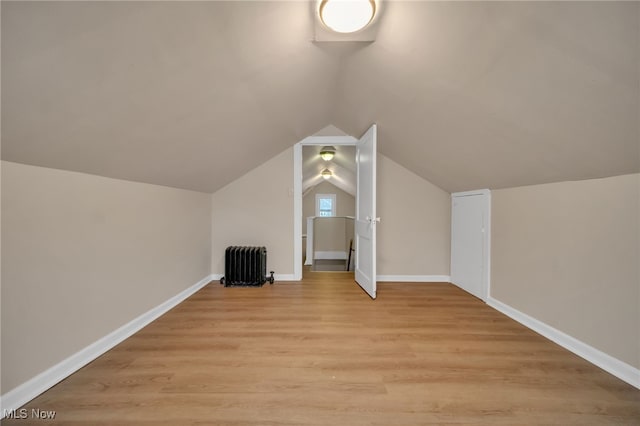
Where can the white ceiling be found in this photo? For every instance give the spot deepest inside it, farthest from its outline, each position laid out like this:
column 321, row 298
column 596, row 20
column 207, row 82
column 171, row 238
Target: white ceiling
column 195, row 94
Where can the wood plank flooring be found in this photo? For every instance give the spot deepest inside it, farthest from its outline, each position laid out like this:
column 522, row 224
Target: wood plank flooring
column 321, row 352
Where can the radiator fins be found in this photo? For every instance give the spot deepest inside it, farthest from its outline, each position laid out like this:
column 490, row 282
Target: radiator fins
column 245, row 266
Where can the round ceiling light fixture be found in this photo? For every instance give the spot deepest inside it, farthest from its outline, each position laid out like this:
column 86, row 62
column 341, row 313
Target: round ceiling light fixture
column 347, row 16
column 326, row 174
column 327, row 153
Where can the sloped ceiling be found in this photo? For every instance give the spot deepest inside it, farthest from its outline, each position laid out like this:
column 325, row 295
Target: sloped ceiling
column 195, row 94
column 184, row 94
column 500, row 94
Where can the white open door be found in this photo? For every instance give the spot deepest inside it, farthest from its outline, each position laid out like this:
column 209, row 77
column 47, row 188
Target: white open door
column 366, row 220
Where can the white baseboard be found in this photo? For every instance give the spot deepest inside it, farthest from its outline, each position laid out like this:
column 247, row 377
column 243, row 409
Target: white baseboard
column 415, row 278
column 612, row 365
column 380, row 278
column 330, row 255
column 25, row 392
column 277, row 277
column 284, row 277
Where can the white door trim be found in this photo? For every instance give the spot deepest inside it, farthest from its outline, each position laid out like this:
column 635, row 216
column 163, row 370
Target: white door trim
column 297, row 191
column 486, row 279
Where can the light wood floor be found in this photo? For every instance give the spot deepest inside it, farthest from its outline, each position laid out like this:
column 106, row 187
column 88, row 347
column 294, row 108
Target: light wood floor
column 321, row 352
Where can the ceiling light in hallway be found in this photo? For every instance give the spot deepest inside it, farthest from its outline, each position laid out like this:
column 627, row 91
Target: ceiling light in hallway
column 347, row 16
column 327, row 153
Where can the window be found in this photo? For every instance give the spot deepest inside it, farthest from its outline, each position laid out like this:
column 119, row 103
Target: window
column 325, row 205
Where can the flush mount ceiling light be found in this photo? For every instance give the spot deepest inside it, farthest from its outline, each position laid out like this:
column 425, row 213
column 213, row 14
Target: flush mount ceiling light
column 347, row 16
column 326, row 174
column 327, row 153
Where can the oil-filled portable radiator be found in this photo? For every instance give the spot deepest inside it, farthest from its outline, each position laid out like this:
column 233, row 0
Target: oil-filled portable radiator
column 245, row 266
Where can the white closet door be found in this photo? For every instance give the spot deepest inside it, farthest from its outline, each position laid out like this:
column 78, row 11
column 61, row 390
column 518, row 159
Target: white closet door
column 470, row 241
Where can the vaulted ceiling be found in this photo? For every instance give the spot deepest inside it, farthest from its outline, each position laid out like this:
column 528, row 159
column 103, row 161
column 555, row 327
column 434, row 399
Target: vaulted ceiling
column 195, row 94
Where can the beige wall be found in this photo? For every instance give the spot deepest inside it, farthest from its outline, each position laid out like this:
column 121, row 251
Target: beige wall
column 413, row 238
column 345, row 202
column 332, row 233
column 567, row 254
column 257, row 209
column 83, row 255
column 414, row 235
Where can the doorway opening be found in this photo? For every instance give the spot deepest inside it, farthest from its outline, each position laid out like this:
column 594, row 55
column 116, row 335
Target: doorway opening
column 365, row 220
column 328, row 209
column 308, row 183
